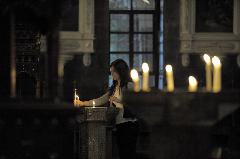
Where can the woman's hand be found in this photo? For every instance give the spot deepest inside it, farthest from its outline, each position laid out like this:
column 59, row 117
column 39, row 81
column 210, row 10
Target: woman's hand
column 79, row 103
column 114, row 99
column 84, row 103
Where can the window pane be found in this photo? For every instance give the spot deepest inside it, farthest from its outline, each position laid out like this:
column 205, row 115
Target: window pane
column 119, row 22
column 143, row 42
column 110, row 81
column 143, row 22
column 138, row 59
column 114, row 57
column 119, row 4
column 143, row 4
column 119, row 42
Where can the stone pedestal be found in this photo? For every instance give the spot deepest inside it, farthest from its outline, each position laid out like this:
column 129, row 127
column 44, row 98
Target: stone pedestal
column 94, row 133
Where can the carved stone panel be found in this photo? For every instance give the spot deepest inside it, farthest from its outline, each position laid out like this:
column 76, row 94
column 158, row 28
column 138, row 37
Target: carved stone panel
column 215, row 34
column 80, row 40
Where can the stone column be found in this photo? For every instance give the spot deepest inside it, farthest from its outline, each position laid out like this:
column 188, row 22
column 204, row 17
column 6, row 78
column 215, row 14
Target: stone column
column 7, row 56
column 52, row 63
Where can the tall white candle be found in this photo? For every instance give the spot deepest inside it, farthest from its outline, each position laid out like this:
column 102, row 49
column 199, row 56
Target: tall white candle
column 193, row 84
column 135, row 78
column 94, row 104
column 217, row 79
column 208, row 70
column 170, row 78
column 145, row 86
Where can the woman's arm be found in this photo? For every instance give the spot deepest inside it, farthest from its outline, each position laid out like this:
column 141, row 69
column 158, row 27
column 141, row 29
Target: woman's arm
column 98, row 101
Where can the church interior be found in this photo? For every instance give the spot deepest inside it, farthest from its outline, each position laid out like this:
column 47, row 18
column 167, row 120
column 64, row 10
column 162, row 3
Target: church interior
column 119, row 79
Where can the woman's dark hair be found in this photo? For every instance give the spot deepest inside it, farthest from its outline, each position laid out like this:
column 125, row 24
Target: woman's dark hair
column 121, row 67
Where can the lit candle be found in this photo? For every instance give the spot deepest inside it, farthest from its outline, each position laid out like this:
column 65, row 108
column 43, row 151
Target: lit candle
column 76, row 98
column 208, row 69
column 169, row 77
column 217, row 81
column 135, row 78
column 145, row 86
column 94, row 104
column 193, row 84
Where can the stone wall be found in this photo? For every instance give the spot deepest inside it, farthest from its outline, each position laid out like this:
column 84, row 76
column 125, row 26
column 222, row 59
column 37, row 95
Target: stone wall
column 91, row 80
column 195, row 66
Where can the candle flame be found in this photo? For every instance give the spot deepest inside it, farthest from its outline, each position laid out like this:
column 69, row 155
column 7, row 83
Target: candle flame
column 192, row 80
column 216, row 61
column 145, row 67
column 134, row 75
column 207, row 58
column 168, row 68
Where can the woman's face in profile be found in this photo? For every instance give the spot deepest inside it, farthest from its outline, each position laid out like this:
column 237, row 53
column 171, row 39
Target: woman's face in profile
column 114, row 74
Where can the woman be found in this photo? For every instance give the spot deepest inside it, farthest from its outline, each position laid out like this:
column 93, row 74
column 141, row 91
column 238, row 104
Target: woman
column 126, row 123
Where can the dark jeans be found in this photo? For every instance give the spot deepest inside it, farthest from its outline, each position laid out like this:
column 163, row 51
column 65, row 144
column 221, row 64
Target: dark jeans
column 127, row 134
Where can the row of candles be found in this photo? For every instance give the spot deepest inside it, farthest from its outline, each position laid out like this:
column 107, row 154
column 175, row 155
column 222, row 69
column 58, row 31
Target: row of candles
column 213, row 76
